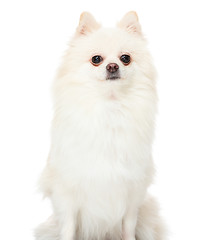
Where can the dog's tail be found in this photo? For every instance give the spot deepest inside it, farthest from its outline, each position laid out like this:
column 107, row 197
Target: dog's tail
column 48, row 230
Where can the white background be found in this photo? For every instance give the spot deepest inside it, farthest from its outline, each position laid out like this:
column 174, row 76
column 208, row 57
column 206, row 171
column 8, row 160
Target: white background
column 34, row 35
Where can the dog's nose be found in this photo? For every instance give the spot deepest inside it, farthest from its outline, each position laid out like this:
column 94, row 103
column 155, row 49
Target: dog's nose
column 112, row 67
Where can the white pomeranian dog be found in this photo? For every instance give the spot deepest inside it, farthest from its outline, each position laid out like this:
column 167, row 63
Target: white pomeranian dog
column 100, row 163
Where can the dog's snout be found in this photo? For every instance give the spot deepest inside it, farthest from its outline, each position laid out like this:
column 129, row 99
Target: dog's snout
column 112, row 67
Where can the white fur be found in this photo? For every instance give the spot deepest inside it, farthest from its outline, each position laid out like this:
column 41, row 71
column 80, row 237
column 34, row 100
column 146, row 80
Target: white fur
column 100, row 162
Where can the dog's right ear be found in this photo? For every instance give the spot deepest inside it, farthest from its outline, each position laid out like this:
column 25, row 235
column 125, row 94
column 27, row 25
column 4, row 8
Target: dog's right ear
column 87, row 24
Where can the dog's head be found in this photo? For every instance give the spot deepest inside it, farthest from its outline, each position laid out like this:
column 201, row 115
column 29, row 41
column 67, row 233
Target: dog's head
column 108, row 58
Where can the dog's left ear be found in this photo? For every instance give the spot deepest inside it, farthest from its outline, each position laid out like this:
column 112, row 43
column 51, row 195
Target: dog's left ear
column 130, row 23
column 87, row 24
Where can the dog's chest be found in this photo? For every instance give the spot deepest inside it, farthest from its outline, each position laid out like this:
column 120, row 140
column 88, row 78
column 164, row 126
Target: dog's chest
column 104, row 143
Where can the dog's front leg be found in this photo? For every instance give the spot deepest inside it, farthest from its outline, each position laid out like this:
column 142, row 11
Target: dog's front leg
column 67, row 227
column 65, row 212
column 129, row 224
column 131, row 215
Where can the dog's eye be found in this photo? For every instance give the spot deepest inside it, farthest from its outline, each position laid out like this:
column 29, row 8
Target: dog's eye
column 96, row 60
column 126, row 59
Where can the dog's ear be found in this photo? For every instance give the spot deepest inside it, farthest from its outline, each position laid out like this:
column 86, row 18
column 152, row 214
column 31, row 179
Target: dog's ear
column 130, row 23
column 87, row 24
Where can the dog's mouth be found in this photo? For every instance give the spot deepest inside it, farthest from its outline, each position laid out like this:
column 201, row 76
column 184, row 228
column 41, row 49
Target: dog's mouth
column 113, row 76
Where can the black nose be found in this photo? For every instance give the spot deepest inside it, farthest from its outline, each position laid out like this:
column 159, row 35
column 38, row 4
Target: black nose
column 112, row 67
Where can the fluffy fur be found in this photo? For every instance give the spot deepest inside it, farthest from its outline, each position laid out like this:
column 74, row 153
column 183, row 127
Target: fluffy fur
column 100, row 162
